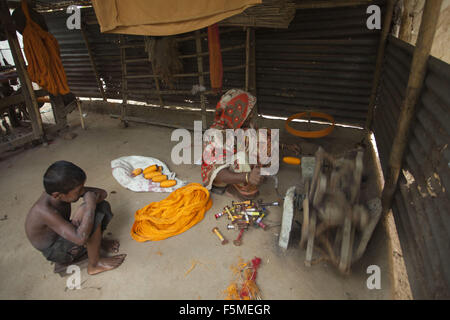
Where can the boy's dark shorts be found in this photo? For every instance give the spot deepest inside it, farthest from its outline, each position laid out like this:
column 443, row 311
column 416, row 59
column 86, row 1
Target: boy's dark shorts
column 64, row 252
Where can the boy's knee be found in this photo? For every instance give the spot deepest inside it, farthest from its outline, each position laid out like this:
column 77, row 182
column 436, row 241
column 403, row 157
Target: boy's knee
column 104, row 207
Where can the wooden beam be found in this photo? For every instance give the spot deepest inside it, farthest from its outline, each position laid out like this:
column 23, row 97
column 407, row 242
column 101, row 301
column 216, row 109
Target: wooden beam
column 415, row 83
column 316, row 4
column 183, row 75
column 201, row 79
column 379, row 64
column 19, row 61
column 19, row 142
column 93, row 65
column 11, row 101
column 155, row 123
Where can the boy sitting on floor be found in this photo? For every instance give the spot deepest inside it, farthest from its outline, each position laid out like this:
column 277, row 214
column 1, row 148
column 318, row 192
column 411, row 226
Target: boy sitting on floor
column 63, row 240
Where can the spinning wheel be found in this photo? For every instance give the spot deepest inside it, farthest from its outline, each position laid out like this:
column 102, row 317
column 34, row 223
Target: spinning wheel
column 331, row 207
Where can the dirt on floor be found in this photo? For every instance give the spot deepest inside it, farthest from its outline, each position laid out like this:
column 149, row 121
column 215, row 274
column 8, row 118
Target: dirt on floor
column 192, row 265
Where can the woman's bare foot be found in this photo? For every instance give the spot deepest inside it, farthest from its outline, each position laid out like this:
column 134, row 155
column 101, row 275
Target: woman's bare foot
column 110, row 246
column 105, row 264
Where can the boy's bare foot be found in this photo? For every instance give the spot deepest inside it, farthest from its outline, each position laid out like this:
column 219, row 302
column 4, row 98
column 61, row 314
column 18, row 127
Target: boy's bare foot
column 110, row 246
column 105, row 264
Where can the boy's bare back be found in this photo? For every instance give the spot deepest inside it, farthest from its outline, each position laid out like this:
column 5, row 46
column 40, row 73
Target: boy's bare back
column 36, row 225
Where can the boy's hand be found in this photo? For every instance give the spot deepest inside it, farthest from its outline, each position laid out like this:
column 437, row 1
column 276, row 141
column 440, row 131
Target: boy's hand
column 101, row 194
column 91, row 197
column 90, row 200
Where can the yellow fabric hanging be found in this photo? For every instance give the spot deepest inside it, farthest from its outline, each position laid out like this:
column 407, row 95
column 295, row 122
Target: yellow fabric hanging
column 42, row 53
column 181, row 210
column 164, row 17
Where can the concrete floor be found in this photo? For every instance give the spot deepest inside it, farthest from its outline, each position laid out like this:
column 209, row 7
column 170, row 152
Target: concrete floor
column 157, row 270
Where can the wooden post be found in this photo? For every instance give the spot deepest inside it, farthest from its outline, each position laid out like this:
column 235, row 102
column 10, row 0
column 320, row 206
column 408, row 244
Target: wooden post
column 406, row 22
column 81, row 114
column 379, row 64
column 415, row 83
column 59, row 112
column 19, row 61
column 250, row 67
column 250, row 62
column 123, row 113
column 158, row 88
column 201, row 79
column 91, row 58
column 247, row 59
column 252, row 70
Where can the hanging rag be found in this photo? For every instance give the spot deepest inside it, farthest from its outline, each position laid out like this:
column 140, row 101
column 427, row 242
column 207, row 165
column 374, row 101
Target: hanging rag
column 215, row 59
column 180, row 211
column 42, row 53
column 164, row 55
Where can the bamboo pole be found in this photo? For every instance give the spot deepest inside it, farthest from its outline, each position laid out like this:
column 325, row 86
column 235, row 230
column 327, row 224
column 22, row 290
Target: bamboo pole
column 379, row 64
column 198, row 46
column 93, row 65
column 19, row 61
column 415, row 83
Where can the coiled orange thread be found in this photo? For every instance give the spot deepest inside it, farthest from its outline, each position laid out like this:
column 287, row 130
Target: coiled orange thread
column 181, row 210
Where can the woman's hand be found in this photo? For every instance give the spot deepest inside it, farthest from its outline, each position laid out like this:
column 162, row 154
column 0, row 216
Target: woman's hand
column 255, row 178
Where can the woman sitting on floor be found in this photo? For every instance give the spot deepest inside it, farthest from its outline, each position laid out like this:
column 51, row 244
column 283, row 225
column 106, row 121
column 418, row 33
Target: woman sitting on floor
column 235, row 110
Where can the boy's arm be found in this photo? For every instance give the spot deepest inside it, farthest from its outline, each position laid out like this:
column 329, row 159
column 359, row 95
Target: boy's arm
column 101, row 194
column 78, row 235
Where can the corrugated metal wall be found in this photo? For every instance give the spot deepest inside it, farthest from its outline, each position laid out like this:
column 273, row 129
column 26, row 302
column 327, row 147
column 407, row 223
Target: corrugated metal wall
column 325, row 61
column 394, row 79
column 106, row 51
column 422, row 201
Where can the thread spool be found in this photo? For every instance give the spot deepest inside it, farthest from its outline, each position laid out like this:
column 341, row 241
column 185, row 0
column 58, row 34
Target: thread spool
column 220, row 236
column 229, row 214
column 246, row 202
column 262, row 225
column 218, row 215
column 238, row 240
column 260, row 218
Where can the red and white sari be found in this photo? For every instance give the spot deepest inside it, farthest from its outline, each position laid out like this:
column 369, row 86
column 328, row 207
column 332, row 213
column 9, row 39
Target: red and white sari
column 232, row 112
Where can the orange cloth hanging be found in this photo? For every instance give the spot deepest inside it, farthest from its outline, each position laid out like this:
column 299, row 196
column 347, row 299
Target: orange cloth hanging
column 42, row 53
column 181, row 210
column 215, row 58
